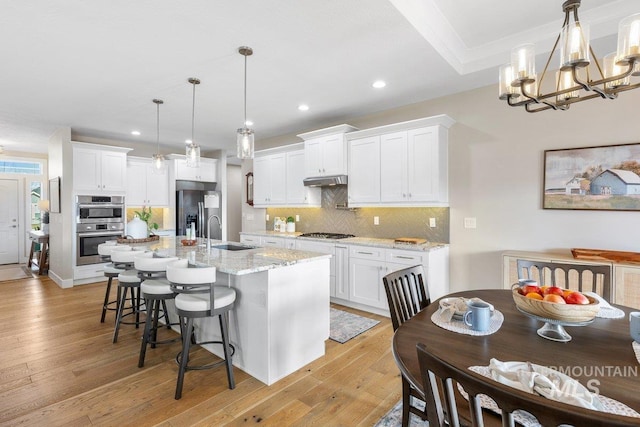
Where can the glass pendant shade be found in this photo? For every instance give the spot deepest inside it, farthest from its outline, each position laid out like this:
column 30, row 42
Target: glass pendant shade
column 629, row 38
column 523, row 62
column 611, row 68
column 506, row 78
column 159, row 164
column 574, row 44
column 193, row 155
column 245, row 143
column 565, row 81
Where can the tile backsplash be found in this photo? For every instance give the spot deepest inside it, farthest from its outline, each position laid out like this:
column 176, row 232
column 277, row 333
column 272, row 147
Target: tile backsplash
column 394, row 222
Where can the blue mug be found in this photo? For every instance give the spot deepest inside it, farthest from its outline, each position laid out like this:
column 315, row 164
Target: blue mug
column 634, row 325
column 478, row 316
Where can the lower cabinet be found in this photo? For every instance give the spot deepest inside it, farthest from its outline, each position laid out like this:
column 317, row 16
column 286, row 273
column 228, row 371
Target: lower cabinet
column 356, row 271
column 366, row 269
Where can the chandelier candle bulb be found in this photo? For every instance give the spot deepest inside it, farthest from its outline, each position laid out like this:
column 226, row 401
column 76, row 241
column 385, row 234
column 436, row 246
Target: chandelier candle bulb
column 611, row 68
column 506, row 78
column 565, row 81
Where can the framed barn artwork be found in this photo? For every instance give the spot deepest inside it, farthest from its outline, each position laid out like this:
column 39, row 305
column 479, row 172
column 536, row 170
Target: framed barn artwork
column 593, row 178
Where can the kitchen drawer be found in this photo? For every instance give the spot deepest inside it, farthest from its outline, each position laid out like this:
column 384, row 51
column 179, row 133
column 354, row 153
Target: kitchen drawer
column 366, row 252
column 407, row 258
column 88, row 271
column 254, row 240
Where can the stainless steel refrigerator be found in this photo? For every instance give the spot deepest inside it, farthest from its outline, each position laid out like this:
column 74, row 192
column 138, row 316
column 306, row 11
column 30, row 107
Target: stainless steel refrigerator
column 195, row 203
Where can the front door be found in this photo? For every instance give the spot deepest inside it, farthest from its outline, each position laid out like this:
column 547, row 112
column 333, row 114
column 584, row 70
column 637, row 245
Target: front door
column 9, row 224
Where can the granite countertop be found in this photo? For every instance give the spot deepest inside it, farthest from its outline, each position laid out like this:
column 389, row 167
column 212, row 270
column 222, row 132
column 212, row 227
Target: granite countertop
column 232, row 262
column 362, row 241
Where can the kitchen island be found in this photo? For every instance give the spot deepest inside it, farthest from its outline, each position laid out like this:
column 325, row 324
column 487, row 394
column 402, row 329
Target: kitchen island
column 281, row 317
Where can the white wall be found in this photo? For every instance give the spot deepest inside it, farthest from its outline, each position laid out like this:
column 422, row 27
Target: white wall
column 496, row 175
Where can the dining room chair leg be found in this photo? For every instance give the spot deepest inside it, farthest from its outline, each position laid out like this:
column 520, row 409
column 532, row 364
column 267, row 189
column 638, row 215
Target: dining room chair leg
column 406, row 402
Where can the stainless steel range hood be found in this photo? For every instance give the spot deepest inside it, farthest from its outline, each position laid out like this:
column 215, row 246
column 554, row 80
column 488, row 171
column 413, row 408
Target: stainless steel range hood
column 325, row 181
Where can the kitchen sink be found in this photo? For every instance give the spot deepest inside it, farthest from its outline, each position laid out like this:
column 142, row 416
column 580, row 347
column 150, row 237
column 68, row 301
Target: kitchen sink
column 230, row 247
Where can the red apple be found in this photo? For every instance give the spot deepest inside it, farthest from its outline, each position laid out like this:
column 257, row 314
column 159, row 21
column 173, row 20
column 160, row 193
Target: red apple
column 527, row 289
column 577, row 298
column 554, row 290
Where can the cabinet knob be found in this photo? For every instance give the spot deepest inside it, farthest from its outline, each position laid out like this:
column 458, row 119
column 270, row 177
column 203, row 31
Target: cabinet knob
column 409, row 195
column 404, row 195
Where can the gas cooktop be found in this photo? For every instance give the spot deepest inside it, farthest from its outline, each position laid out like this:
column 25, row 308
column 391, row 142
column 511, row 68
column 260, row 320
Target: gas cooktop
column 327, row 235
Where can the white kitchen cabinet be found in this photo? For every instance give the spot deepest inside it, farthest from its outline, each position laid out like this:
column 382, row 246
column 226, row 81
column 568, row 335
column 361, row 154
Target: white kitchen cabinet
column 146, row 185
column 206, row 172
column 99, row 169
column 275, row 242
column 366, row 269
column 326, row 151
column 269, row 180
column 341, row 272
column 411, row 166
column 250, row 239
column 364, row 170
column 297, row 194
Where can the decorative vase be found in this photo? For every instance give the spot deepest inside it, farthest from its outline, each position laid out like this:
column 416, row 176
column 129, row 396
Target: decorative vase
column 291, row 227
column 137, row 228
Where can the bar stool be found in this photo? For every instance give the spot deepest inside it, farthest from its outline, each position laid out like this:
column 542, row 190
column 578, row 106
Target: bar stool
column 156, row 290
column 198, row 298
column 128, row 282
column 110, row 271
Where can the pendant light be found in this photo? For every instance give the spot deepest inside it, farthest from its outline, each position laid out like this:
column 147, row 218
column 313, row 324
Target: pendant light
column 158, row 159
column 245, row 135
column 193, row 149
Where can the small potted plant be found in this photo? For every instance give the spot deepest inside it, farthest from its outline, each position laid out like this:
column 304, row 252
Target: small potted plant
column 145, row 215
column 291, row 225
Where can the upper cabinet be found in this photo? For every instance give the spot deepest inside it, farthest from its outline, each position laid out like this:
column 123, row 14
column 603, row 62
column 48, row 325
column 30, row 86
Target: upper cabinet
column 206, row 172
column 326, row 151
column 403, row 164
column 99, row 169
column 278, row 178
column 147, row 186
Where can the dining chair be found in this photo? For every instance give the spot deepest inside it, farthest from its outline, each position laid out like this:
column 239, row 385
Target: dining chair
column 407, row 295
column 587, row 278
column 440, row 376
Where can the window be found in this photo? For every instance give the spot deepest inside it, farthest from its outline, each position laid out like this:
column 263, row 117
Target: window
column 27, row 168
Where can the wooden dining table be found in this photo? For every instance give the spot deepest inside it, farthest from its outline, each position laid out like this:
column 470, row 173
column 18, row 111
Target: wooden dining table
column 600, row 355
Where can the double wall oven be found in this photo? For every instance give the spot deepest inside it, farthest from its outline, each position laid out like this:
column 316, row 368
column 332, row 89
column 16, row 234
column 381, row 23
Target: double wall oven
column 98, row 219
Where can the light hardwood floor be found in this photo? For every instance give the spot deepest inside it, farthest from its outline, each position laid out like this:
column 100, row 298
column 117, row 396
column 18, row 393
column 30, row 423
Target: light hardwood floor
column 59, row 367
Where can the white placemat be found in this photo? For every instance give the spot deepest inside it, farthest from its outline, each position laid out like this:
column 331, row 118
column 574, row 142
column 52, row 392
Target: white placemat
column 460, row 327
column 610, row 313
column 610, row 405
column 636, row 350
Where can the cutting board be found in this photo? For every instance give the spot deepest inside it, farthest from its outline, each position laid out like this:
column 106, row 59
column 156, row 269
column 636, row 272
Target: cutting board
column 605, row 255
column 410, row 240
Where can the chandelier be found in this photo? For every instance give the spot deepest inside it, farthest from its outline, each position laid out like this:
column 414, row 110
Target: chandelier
column 580, row 76
column 245, row 136
column 193, row 149
column 158, row 159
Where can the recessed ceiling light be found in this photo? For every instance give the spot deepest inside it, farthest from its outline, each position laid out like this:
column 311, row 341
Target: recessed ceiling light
column 135, row 132
column 187, row 141
column 248, row 123
column 303, row 107
column 378, row 84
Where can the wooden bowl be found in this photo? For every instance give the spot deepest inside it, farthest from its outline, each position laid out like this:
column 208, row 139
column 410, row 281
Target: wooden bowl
column 555, row 311
column 186, row 242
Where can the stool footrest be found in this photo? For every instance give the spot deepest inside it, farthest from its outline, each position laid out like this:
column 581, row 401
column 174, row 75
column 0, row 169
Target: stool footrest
column 210, row 365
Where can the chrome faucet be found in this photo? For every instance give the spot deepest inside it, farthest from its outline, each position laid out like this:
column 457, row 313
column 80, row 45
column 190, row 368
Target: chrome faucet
column 209, row 230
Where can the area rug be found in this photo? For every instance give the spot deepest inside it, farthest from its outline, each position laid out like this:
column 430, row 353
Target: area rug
column 13, row 273
column 393, row 418
column 345, row 326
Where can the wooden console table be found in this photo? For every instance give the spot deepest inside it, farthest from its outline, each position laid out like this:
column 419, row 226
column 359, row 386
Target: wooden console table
column 42, row 262
column 625, row 276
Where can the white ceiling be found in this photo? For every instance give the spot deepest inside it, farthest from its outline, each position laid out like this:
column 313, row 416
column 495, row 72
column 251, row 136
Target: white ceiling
column 96, row 65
